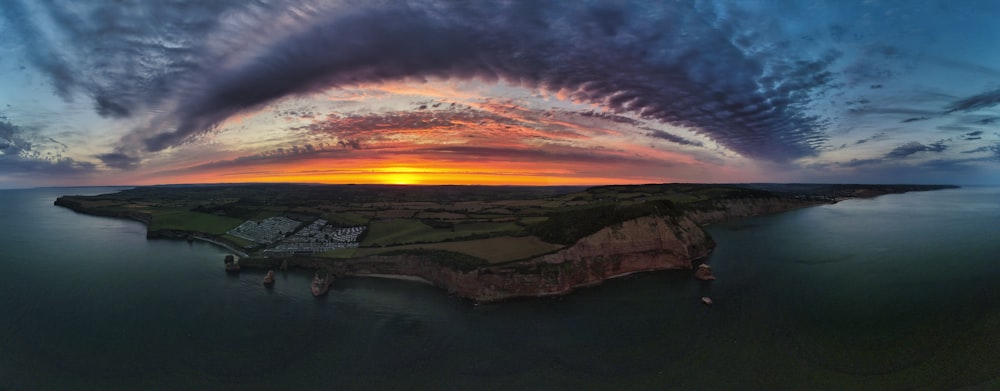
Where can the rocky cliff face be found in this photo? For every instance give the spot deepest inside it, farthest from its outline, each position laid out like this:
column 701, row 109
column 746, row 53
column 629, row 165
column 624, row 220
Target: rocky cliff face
column 643, row 244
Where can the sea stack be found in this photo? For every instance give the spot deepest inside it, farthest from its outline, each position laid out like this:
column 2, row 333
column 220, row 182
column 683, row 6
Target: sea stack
column 704, row 272
column 232, row 264
column 321, row 284
column 269, row 277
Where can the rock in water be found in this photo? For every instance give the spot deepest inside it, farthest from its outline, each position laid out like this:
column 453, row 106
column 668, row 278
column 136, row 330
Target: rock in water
column 706, row 300
column 321, row 284
column 232, row 264
column 704, row 273
column 269, row 277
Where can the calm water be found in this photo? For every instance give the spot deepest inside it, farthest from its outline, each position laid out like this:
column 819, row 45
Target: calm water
column 898, row 292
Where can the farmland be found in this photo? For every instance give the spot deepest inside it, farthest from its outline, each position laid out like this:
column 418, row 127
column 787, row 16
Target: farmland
column 491, row 224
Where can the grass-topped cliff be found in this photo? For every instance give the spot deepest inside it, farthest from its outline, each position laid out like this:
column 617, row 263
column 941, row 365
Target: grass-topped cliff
column 493, row 223
column 548, row 238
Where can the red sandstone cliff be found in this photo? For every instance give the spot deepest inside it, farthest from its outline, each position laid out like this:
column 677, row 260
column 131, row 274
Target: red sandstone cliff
column 643, row 244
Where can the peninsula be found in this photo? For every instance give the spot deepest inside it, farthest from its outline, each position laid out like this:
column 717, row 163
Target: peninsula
column 485, row 243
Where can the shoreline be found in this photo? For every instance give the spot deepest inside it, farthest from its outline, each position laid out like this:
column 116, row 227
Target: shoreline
column 241, row 254
column 401, row 277
column 643, row 243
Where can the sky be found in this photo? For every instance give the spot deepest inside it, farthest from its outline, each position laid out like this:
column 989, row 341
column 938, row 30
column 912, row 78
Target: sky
column 498, row 92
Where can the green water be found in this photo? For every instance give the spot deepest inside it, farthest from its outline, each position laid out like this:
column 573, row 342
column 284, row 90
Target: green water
column 898, row 292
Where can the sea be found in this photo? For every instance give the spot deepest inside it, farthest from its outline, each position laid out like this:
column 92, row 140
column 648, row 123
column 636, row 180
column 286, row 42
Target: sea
column 896, row 292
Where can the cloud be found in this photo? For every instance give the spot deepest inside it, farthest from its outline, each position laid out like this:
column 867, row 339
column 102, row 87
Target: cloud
column 956, row 128
column 973, row 135
column 672, row 138
column 123, row 56
column 119, row 160
column 875, row 137
column 276, row 156
column 982, row 101
column 993, row 149
column 979, row 119
column 548, row 155
column 23, row 154
column 710, row 68
column 913, row 147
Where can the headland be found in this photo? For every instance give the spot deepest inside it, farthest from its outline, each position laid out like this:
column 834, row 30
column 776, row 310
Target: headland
column 483, row 243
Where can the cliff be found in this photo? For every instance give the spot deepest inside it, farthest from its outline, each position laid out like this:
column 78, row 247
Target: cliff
column 602, row 242
column 638, row 245
column 643, row 244
column 715, row 211
column 77, row 206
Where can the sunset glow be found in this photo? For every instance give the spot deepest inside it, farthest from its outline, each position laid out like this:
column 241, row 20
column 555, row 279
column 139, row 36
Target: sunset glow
column 632, row 92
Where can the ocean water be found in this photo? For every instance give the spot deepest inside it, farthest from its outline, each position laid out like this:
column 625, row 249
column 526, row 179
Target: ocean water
column 896, row 292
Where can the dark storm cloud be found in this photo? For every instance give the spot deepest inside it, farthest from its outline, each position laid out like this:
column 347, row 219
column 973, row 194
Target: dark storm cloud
column 711, row 68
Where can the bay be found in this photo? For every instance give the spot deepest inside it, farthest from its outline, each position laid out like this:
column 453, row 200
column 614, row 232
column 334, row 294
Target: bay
column 896, row 292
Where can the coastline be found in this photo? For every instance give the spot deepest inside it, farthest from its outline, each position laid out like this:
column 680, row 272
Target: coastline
column 662, row 239
column 402, row 277
column 241, row 254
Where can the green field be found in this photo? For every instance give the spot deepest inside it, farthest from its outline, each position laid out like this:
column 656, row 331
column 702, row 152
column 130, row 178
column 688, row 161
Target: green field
column 392, row 232
column 493, row 250
column 485, row 223
column 184, row 220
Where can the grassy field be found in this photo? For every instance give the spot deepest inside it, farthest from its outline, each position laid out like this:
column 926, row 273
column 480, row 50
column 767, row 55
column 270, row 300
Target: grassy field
column 495, row 224
column 498, row 249
column 407, row 231
column 346, row 219
column 180, row 219
column 493, row 250
column 239, row 241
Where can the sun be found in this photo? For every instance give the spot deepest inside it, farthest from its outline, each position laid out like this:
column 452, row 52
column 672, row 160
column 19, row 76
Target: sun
column 400, row 178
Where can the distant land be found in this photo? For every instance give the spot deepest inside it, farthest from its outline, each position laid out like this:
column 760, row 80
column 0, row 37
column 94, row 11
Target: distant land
column 484, row 243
